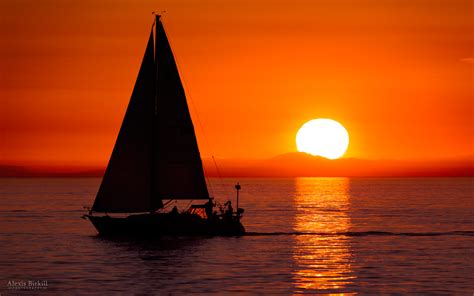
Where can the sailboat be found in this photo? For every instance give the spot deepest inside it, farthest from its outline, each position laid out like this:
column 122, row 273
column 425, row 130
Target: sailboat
column 156, row 158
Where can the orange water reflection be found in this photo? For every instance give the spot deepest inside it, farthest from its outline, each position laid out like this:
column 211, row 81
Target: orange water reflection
column 322, row 262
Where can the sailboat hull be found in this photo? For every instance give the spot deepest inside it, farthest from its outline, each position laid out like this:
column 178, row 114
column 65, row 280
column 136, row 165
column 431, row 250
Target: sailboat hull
column 155, row 225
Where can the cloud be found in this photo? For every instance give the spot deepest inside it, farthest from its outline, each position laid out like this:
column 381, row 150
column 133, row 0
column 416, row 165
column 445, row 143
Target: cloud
column 467, row 60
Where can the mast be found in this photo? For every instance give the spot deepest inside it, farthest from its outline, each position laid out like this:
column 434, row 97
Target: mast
column 153, row 177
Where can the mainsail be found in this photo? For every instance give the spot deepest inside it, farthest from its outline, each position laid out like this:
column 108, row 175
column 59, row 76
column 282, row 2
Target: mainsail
column 156, row 155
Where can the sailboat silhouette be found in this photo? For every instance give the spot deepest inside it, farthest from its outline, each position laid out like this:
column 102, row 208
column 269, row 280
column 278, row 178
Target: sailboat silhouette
column 156, row 157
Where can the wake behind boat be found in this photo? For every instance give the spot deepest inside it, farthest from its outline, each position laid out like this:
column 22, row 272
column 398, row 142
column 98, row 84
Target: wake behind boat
column 156, row 158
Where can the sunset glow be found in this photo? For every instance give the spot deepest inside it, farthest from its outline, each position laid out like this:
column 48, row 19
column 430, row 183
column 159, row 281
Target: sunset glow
column 398, row 74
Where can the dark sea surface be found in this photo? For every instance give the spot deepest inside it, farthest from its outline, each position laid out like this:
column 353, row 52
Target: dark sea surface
column 305, row 235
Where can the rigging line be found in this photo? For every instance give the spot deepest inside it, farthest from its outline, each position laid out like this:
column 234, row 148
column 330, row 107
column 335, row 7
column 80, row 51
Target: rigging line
column 206, row 140
column 167, row 203
column 189, row 204
column 218, row 172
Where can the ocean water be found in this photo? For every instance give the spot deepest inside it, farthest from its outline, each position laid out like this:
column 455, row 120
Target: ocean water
column 305, row 235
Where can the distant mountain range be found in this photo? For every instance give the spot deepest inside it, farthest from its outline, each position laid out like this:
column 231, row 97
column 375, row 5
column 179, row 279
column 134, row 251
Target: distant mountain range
column 286, row 165
column 301, row 164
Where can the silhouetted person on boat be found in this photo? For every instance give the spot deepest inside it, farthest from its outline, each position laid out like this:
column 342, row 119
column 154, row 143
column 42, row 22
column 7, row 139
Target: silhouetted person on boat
column 174, row 211
column 229, row 211
column 209, row 206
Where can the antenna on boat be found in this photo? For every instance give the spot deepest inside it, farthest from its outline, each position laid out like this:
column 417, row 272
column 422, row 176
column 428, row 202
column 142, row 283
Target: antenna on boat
column 237, row 187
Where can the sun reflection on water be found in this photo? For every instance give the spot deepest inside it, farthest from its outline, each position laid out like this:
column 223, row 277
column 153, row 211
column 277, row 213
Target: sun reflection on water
column 322, row 262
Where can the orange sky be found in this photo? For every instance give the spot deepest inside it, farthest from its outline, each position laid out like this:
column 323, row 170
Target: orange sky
column 396, row 74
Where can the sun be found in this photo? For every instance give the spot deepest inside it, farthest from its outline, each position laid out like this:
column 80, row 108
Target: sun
column 323, row 137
